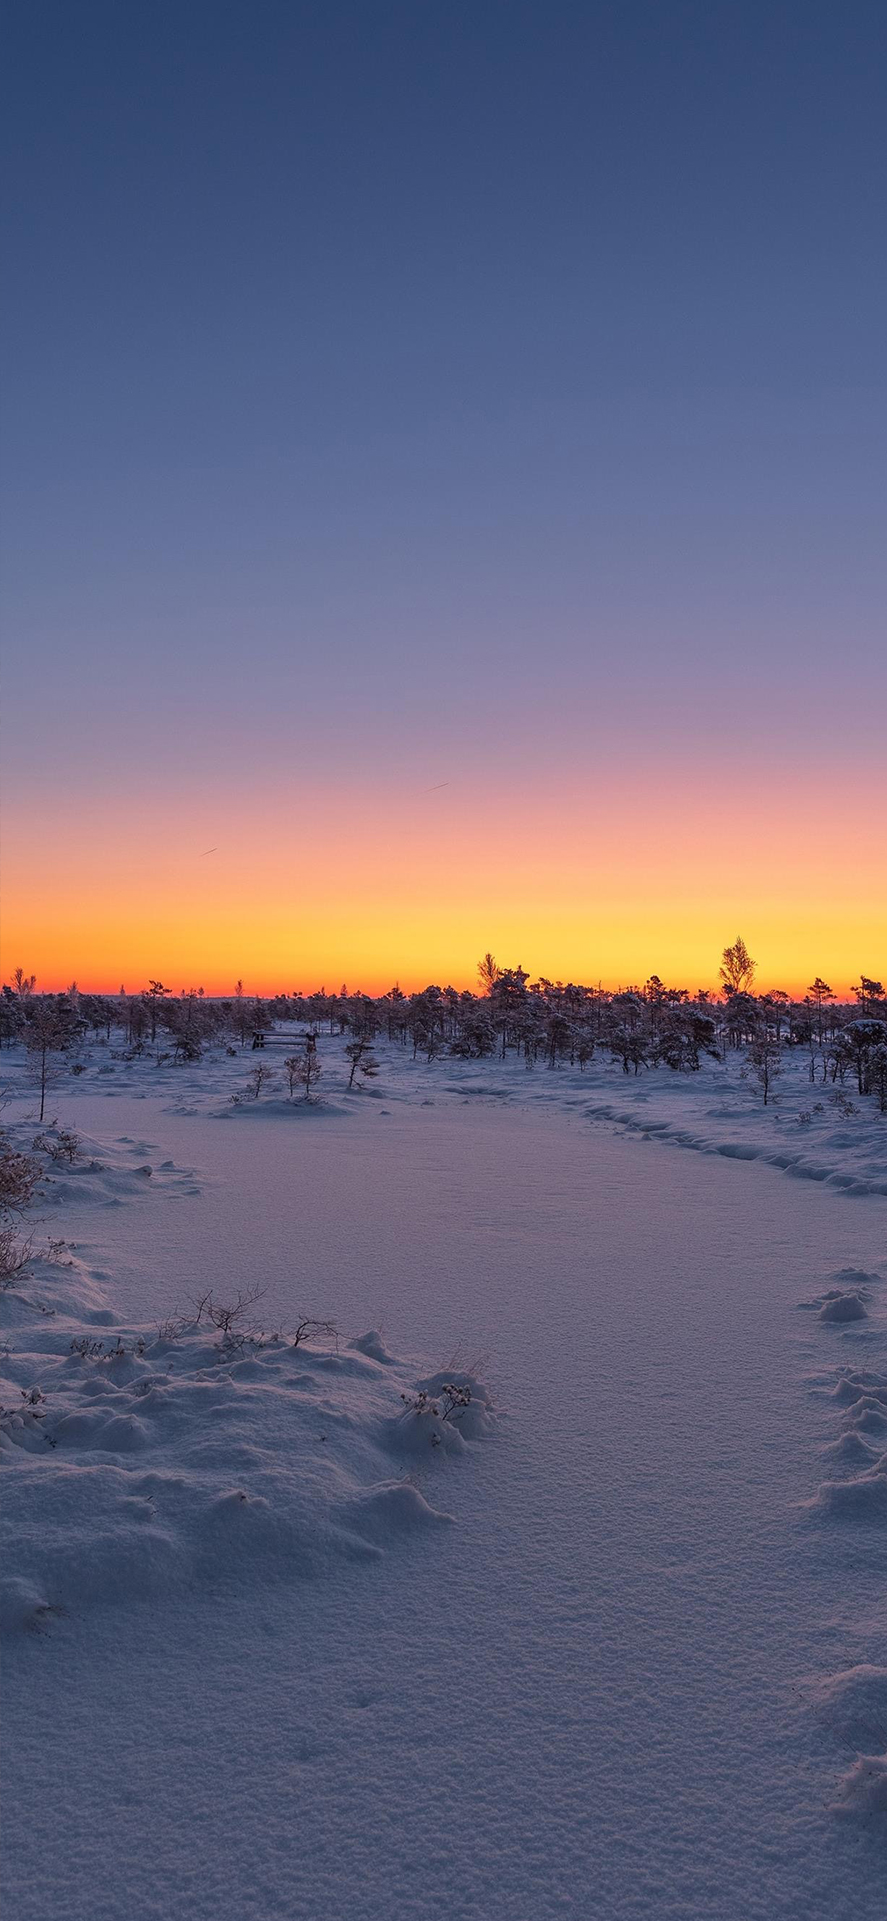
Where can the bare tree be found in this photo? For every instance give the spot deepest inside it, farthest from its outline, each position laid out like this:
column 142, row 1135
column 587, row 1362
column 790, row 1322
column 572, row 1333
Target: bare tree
column 764, row 1057
column 303, row 1070
column 258, row 1079
column 363, row 1061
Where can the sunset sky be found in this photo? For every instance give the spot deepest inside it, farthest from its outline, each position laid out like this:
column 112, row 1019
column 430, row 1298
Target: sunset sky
column 443, row 491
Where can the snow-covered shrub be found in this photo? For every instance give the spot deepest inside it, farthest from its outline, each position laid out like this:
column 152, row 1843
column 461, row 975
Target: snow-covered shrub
column 19, row 1174
column 449, row 1404
column 63, row 1145
column 21, row 1422
column 15, row 1253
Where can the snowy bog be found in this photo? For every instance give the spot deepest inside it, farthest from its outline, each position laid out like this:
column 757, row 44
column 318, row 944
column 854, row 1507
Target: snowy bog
column 464, row 1491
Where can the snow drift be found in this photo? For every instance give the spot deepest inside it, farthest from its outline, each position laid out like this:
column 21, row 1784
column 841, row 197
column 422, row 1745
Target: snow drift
column 139, row 1461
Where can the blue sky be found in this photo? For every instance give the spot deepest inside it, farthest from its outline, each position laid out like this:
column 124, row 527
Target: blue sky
column 501, row 383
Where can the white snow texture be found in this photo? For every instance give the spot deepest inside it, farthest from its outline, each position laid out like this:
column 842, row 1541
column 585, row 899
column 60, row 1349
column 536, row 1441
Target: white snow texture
column 558, row 1592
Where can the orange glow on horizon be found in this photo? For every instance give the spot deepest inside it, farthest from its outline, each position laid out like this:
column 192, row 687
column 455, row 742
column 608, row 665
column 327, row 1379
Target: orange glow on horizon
column 608, row 881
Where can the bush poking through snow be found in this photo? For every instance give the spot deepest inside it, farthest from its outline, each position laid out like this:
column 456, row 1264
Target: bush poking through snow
column 19, row 1174
column 63, row 1146
column 15, row 1254
column 448, row 1405
column 310, row 1330
column 93, row 1350
column 21, row 1424
column 87, row 1348
column 228, row 1319
column 173, row 1328
column 225, row 1317
column 118, row 1487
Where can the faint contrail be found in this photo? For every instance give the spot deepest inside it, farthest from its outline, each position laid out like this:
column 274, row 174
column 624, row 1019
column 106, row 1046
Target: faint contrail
column 207, row 850
column 437, row 787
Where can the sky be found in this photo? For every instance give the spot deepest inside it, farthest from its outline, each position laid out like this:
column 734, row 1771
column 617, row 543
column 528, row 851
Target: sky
column 443, row 490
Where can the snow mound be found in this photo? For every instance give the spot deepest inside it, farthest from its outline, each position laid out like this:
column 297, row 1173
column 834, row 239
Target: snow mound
column 140, row 1464
column 445, row 1411
column 473, row 1418
column 380, row 1512
column 678, row 1109
column 93, row 1173
column 269, row 1108
column 23, row 1608
column 57, row 1288
column 862, row 1498
column 864, row 1787
column 852, row 1705
column 850, row 1450
column 868, row 1415
column 838, row 1306
column 373, row 1346
column 854, row 1384
column 858, row 1490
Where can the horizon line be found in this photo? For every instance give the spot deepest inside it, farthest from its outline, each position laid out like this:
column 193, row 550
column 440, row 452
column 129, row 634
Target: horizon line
column 843, row 993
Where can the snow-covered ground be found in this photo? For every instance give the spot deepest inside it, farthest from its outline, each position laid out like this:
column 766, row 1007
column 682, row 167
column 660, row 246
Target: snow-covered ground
column 609, row 1640
column 820, row 1130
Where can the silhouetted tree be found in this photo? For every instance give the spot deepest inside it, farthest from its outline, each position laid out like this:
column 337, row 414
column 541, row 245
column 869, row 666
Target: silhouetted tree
column 156, row 993
column 870, row 995
column 859, row 1041
column 819, row 993
column 737, row 969
column 487, row 974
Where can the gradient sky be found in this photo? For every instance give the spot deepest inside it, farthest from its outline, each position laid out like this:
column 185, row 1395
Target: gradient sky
column 444, row 473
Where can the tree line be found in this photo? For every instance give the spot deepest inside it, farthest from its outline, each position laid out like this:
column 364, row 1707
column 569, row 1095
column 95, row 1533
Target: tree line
column 541, row 1022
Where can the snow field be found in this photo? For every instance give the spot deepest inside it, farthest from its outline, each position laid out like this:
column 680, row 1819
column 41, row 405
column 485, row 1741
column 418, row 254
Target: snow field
column 816, row 1131
column 634, row 1675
